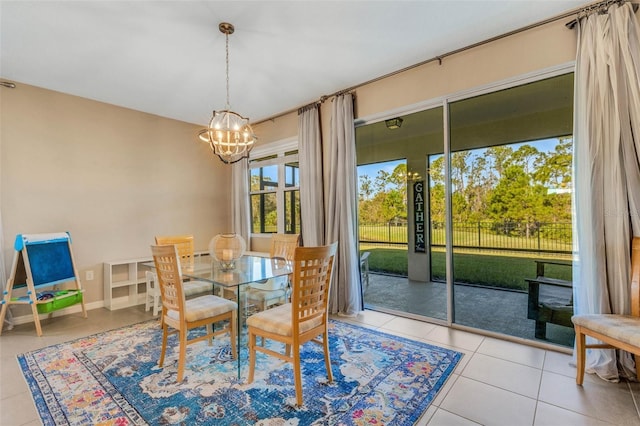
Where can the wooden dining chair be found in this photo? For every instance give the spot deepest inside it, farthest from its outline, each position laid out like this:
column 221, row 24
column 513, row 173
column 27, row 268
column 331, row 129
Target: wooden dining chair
column 186, row 254
column 182, row 315
column 615, row 331
column 304, row 319
column 274, row 290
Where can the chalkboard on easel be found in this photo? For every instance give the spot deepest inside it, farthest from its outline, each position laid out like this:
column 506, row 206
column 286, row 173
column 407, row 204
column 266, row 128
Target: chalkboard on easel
column 50, row 261
column 42, row 261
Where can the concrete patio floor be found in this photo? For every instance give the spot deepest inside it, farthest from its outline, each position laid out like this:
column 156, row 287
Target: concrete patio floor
column 500, row 311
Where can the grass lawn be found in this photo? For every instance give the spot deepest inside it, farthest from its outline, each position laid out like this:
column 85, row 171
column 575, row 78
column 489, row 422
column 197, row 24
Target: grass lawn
column 483, row 269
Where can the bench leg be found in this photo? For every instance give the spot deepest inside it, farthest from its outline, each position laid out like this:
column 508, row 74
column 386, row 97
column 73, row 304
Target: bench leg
column 541, row 330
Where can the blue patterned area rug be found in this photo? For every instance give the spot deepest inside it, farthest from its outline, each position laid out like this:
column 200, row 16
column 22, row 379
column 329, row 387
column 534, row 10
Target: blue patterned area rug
column 112, row 378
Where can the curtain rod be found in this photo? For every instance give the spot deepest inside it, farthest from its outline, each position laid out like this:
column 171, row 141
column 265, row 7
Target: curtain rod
column 439, row 58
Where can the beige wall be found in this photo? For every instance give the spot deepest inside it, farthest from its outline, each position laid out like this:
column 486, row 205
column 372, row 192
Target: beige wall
column 113, row 177
column 543, row 47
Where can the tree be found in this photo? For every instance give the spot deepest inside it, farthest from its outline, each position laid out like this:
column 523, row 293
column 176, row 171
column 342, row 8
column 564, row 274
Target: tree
column 480, row 184
column 526, row 157
column 500, row 157
column 436, row 189
column 516, row 200
column 555, row 168
column 366, row 188
column 385, row 198
column 459, row 169
column 436, row 203
column 382, row 180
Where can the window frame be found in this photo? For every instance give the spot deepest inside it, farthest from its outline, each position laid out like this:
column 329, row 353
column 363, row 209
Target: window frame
column 281, row 153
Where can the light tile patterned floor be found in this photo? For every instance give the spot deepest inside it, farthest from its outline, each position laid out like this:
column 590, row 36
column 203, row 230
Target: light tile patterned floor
column 496, row 383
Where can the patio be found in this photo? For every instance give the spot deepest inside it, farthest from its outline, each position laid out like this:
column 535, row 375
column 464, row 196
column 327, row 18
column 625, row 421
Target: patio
column 495, row 310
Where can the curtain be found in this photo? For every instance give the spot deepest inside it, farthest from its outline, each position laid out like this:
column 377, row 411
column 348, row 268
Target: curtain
column 311, row 177
column 606, row 172
column 240, row 211
column 341, row 208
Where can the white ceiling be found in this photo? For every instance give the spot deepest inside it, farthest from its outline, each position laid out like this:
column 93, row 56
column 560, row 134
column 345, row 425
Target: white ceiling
column 167, row 57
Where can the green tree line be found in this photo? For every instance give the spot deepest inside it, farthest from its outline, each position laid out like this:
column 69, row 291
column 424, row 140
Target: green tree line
column 515, row 186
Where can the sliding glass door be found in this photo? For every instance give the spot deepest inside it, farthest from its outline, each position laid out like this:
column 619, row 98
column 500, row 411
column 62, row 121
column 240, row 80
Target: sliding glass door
column 394, row 214
column 510, row 181
column 475, row 216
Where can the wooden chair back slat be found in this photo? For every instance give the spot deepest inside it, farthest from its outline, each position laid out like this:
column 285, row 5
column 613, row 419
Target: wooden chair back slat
column 165, row 258
column 284, row 245
column 184, row 245
column 312, row 272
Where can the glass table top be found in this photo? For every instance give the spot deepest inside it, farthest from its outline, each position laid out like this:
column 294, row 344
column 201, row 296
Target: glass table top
column 246, row 270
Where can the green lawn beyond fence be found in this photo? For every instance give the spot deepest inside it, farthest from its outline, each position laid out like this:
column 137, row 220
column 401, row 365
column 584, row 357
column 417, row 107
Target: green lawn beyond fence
column 482, row 269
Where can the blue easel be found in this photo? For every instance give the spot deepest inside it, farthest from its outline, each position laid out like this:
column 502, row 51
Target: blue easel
column 43, row 261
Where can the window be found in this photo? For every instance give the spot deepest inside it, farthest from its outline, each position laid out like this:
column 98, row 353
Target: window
column 275, row 193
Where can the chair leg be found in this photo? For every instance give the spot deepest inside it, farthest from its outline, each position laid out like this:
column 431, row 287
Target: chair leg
column 183, row 354
column 327, row 357
column 297, row 374
column 165, row 335
column 581, row 354
column 252, row 356
column 233, row 333
column 209, row 328
column 637, row 359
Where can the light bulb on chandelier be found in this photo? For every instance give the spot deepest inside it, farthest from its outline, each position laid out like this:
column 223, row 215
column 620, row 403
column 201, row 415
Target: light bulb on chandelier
column 229, row 134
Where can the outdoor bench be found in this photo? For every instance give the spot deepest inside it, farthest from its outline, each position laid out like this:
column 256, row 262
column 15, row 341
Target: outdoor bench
column 550, row 299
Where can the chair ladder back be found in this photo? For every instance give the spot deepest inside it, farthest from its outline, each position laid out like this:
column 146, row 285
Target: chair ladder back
column 284, row 245
column 312, row 281
column 185, row 246
column 635, row 277
column 165, row 257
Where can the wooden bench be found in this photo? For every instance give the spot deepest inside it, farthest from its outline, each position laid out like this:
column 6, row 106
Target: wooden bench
column 550, row 299
column 616, row 331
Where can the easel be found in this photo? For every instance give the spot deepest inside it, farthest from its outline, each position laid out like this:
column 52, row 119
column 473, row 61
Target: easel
column 42, row 261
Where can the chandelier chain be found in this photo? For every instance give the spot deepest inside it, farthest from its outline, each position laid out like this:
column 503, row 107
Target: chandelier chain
column 227, row 61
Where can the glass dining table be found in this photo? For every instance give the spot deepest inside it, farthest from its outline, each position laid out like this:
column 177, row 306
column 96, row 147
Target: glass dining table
column 232, row 283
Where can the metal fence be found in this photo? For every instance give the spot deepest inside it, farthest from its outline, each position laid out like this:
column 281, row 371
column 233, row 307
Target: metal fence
column 485, row 235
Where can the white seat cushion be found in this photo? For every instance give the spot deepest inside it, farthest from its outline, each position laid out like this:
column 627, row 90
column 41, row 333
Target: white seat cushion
column 624, row 328
column 278, row 320
column 196, row 287
column 204, row 307
column 264, row 295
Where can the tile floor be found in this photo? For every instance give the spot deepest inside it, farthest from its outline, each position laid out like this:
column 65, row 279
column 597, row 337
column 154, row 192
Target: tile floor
column 496, row 383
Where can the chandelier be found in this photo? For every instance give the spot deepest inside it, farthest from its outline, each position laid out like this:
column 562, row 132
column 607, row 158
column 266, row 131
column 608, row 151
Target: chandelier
column 229, row 134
